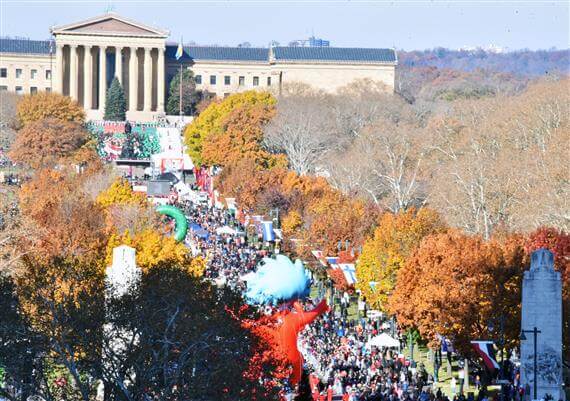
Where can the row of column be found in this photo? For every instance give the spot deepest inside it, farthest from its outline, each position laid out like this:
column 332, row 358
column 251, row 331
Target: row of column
column 132, row 95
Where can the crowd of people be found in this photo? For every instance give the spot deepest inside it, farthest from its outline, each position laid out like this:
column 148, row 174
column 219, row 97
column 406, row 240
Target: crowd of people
column 229, row 256
column 337, row 355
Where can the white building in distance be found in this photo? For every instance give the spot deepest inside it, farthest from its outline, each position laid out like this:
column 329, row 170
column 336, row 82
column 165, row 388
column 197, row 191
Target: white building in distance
column 84, row 57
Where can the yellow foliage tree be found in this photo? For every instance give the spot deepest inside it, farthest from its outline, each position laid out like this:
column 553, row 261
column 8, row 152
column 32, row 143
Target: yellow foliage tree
column 212, row 119
column 291, row 222
column 395, row 238
column 45, row 105
column 241, row 137
column 120, row 193
column 333, row 217
column 154, row 249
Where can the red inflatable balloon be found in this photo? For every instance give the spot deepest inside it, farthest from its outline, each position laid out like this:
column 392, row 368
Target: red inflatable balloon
column 281, row 331
column 287, row 332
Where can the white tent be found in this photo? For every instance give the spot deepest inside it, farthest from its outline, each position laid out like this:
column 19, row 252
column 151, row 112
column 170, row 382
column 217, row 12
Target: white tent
column 383, row 341
column 225, row 230
column 172, row 161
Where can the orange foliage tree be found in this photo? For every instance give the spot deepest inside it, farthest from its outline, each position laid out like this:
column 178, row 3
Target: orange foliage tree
column 334, row 217
column 44, row 143
column 240, row 138
column 453, row 284
column 395, row 238
column 64, row 222
column 43, row 105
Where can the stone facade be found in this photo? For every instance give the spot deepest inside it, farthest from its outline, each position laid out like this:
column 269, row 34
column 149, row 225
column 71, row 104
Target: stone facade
column 85, row 56
column 542, row 309
column 25, row 73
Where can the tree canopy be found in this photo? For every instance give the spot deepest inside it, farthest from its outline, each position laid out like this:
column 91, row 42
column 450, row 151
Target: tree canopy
column 211, row 120
column 395, row 239
column 454, row 284
column 42, row 105
column 47, row 142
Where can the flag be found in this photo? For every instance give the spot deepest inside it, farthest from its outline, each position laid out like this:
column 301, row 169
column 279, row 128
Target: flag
column 349, row 271
column 487, row 353
column 267, row 231
column 179, row 51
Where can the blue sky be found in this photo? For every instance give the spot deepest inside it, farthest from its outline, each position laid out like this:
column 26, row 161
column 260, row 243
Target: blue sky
column 403, row 24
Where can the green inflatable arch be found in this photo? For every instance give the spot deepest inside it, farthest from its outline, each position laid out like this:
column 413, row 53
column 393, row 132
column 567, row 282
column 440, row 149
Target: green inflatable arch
column 179, row 218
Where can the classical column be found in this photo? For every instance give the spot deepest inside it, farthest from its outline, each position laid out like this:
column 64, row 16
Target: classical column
column 119, row 63
column 102, row 77
column 73, row 77
column 133, row 80
column 59, row 69
column 87, row 78
column 160, row 84
column 147, row 79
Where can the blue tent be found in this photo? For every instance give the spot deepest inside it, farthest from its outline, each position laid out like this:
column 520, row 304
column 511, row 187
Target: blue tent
column 198, row 231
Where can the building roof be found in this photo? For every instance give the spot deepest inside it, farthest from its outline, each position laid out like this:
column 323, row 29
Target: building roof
column 284, row 54
column 336, row 54
column 214, row 53
column 110, row 24
column 24, row 46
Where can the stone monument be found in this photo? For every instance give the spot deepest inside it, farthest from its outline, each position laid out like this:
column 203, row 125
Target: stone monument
column 121, row 277
column 541, row 328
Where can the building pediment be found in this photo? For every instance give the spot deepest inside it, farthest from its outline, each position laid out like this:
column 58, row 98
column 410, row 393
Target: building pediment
column 110, row 25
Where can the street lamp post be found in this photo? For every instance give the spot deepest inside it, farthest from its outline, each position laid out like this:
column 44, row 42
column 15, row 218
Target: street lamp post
column 535, row 332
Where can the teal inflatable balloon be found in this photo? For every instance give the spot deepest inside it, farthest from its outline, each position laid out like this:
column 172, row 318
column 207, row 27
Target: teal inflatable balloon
column 179, row 218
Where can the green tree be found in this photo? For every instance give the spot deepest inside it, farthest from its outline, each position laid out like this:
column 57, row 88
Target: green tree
column 188, row 346
column 190, row 96
column 115, row 103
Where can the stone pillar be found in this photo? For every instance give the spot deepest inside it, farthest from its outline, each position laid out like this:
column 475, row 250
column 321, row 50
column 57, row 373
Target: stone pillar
column 119, row 63
column 87, row 78
column 542, row 322
column 160, row 84
column 147, row 80
column 102, row 77
column 59, row 69
column 73, row 76
column 133, row 80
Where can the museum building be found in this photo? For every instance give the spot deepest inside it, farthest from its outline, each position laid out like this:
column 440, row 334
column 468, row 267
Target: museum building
column 85, row 56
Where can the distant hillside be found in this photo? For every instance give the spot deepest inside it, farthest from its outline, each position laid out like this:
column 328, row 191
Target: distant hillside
column 523, row 63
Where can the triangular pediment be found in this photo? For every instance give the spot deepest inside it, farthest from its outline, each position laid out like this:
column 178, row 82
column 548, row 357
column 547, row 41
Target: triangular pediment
column 110, row 25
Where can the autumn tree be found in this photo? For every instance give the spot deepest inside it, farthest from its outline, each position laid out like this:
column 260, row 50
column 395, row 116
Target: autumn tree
column 211, row 120
column 395, row 239
column 115, row 102
column 334, row 218
column 63, row 221
column 47, row 142
column 190, row 96
column 241, row 137
column 44, row 105
column 454, row 284
column 120, row 192
column 63, row 300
